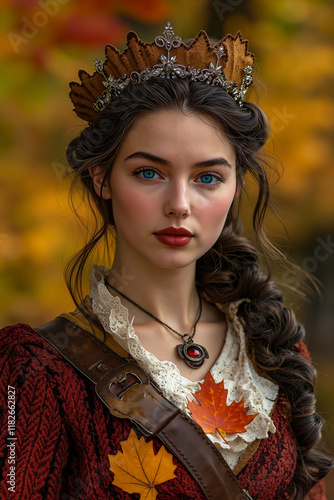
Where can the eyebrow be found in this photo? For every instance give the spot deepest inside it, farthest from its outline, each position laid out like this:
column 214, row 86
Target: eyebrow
column 156, row 159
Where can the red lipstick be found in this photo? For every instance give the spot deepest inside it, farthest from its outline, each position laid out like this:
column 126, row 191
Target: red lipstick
column 174, row 236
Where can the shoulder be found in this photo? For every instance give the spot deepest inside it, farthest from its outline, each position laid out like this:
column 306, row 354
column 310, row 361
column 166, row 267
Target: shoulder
column 22, row 339
column 17, row 334
column 35, row 368
column 24, row 353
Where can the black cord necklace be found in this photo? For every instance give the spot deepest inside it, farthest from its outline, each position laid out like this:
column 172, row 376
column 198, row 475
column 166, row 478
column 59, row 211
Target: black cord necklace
column 193, row 354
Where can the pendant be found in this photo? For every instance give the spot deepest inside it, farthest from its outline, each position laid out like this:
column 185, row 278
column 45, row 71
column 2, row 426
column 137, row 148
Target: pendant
column 193, row 354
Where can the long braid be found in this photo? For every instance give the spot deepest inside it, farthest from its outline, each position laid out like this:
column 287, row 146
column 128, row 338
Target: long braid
column 229, row 272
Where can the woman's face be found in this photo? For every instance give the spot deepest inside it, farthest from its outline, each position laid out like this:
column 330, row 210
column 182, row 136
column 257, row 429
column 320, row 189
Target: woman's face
column 172, row 185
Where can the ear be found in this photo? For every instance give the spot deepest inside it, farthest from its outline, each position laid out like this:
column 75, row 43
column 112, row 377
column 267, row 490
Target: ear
column 97, row 175
column 240, row 188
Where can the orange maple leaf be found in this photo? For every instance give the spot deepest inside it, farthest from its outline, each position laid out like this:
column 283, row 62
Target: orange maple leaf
column 138, row 469
column 212, row 412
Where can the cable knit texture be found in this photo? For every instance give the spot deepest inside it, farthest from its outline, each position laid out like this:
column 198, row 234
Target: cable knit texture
column 65, row 433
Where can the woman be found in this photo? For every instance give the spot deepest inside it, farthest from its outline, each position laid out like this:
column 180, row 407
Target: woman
column 163, row 163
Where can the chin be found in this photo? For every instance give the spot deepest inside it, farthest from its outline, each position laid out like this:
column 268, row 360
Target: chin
column 174, row 262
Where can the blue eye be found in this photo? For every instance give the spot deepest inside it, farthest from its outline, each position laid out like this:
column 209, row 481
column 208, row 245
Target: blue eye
column 207, row 179
column 146, row 173
column 210, row 179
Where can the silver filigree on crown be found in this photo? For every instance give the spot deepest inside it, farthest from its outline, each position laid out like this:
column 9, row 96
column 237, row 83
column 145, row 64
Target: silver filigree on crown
column 213, row 75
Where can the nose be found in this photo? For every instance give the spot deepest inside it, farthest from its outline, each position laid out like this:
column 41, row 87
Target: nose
column 178, row 200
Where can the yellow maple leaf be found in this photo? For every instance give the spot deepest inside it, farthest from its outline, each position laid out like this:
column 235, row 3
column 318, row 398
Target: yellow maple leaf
column 138, row 469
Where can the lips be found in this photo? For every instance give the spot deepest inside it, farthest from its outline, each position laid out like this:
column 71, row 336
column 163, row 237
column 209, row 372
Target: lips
column 175, row 231
column 174, row 236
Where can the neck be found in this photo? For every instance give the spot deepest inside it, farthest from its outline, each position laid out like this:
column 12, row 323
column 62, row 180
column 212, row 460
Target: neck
column 170, row 295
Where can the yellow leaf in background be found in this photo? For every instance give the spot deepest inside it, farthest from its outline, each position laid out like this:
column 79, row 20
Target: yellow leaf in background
column 138, row 469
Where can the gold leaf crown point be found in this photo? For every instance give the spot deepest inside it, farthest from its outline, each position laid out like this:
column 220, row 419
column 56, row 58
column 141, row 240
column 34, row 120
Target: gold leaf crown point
column 199, row 54
column 201, row 37
column 238, row 57
column 227, row 64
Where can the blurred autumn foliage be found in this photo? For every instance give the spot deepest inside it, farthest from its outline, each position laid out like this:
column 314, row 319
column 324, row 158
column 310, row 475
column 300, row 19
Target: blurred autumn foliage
column 43, row 44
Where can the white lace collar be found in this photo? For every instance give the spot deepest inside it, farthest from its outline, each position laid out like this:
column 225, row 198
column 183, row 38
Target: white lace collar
column 240, row 378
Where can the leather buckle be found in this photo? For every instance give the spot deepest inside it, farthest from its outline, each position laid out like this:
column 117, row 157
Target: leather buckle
column 128, row 393
column 122, row 378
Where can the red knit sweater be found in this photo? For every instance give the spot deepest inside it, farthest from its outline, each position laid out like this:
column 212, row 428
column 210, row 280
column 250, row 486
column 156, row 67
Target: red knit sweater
column 64, row 435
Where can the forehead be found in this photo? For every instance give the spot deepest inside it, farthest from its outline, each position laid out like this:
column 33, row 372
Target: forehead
column 173, row 134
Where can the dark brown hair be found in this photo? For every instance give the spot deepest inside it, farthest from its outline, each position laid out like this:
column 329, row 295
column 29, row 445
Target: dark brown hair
column 229, row 271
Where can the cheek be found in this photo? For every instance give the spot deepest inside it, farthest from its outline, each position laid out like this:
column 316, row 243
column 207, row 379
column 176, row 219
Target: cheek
column 213, row 213
column 129, row 205
column 212, row 221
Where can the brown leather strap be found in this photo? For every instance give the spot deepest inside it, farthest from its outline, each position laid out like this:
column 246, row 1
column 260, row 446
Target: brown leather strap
column 126, row 390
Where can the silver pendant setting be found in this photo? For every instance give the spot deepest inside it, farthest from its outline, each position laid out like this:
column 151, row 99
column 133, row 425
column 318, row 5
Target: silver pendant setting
column 193, row 354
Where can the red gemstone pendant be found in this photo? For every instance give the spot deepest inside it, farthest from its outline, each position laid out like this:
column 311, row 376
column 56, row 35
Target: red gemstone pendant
column 193, row 354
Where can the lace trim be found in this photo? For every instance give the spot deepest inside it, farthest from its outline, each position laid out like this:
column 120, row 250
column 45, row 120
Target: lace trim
column 232, row 365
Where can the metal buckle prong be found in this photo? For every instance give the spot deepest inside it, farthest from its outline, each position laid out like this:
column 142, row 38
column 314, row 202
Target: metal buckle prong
column 123, row 383
column 127, row 392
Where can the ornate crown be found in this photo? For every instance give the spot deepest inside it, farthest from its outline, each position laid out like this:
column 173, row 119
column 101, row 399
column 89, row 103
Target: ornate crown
column 228, row 64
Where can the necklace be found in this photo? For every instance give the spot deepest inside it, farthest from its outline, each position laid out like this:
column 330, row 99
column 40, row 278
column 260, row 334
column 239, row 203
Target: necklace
column 193, row 354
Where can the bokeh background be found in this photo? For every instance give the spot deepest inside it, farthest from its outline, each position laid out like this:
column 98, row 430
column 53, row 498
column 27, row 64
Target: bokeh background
column 44, row 43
